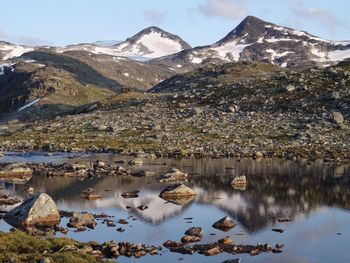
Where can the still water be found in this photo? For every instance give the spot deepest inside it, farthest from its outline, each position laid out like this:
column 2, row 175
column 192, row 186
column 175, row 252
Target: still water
column 315, row 195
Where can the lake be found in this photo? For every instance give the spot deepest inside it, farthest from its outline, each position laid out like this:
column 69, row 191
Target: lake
column 316, row 196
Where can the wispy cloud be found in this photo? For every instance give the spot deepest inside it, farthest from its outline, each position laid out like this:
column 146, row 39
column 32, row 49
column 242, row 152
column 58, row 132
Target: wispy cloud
column 226, row 9
column 154, row 16
column 321, row 16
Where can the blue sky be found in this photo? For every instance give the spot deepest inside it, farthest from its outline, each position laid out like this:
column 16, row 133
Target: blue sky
column 199, row 22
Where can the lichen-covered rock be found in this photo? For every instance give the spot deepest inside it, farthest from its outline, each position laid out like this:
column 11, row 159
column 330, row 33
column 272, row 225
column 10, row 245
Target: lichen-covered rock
column 39, row 209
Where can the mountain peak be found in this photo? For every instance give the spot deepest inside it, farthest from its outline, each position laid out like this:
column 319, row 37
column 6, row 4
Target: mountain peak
column 162, row 33
column 251, row 27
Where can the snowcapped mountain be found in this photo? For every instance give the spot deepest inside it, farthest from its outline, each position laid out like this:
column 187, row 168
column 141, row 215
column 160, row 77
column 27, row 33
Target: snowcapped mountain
column 8, row 50
column 150, row 43
column 256, row 40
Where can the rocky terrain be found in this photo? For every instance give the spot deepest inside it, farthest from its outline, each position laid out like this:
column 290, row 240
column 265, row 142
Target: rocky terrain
column 232, row 109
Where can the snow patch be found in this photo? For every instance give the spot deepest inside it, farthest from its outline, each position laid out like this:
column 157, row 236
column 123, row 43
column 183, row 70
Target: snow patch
column 230, row 49
column 12, row 51
column 6, row 65
column 28, row 105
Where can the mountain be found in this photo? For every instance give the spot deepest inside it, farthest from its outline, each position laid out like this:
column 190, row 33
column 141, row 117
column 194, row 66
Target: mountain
column 150, row 43
column 256, row 40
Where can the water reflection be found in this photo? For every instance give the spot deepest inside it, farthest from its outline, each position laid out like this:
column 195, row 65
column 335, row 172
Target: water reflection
column 275, row 188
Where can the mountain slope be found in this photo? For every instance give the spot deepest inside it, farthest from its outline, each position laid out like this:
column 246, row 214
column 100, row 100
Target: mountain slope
column 256, row 40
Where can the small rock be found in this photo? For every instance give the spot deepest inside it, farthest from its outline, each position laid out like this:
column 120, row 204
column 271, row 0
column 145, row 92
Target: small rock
column 225, row 241
column 177, row 191
column 225, row 224
column 136, row 161
column 337, row 117
column 190, row 239
column 278, row 230
column 195, row 231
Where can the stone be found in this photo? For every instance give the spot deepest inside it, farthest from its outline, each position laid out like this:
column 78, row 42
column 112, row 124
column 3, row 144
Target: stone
column 177, row 191
column 82, row 220
column 258, row 155
column 39, row 209
column 190, row 239
column 225, row 223
column 225, row 241
column 235, row 260
column 278, row 230
column 212, row 252
column 289, row 88
column 174, row 175
column 131, row 194
column 144, row 174
column 20, row 170
column 239, row 181
column 195, row 231
column 337, row 117
column 136, row 161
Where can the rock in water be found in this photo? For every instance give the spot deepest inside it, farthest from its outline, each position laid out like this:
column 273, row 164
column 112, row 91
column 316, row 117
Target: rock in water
column 79, row 220
column 174, row 175
column 239, row 182
column 177, row 191
column 39, row 209
column 225, row 224
column 19, row 170
column 194, row 231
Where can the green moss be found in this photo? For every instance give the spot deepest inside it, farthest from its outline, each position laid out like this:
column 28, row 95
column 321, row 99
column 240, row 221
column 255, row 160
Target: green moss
column 19, row 247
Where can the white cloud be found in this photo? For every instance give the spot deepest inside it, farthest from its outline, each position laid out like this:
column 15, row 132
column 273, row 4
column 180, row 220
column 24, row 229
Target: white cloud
column 154, row 16
column 226, row 9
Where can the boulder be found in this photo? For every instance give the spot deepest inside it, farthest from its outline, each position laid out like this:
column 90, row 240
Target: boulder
column 79, row 220
column 177, row 191
column 39, row 209
column 174, row 175
column 225, row 223
column 17, row 170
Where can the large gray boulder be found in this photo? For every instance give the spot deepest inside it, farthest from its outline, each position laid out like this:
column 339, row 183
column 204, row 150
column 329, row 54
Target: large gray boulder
column 39, row 210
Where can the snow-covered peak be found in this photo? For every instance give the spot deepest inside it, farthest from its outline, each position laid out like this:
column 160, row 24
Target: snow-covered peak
column 151, row 42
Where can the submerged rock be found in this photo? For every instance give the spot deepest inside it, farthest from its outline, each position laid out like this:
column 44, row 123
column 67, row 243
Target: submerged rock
column 174, row 175
column 177, row 191
column 39, row 209
column 225, row 224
